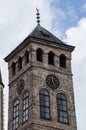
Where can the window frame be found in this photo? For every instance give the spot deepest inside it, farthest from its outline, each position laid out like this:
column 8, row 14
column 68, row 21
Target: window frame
column 26, row 108
column 15, row 115
column 61, row 109
column 43, row 106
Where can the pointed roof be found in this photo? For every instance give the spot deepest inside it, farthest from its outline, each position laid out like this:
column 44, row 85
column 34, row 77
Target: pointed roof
column 43, row 34
column 39, row 34
column 1, row 79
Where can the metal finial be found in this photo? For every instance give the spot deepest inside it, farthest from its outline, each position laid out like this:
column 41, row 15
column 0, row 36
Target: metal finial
column 38, row 16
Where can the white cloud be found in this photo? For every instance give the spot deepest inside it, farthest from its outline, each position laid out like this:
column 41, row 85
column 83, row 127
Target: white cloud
column 77, row 36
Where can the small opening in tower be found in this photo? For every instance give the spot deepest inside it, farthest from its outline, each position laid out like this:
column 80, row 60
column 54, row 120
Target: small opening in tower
column 62, row 61
column 20, row 63
column 26, row 57
column 51, row 58
column 13, row 68
column 39, row 55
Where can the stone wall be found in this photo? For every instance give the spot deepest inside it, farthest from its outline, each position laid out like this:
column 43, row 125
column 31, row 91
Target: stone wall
column 34, row 75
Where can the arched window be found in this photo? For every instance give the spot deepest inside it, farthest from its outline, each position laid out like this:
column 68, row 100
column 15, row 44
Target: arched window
column 63, row 61
column 51, row 58
column 15, row 115
column 44, row 104
column 13, row 68
column 20, row 63
column 39, row 55
column 62, row 108
column 25, row 106
column 26, row 57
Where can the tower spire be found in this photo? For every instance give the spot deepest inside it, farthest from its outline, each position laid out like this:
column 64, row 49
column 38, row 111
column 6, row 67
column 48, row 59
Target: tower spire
column 38, row 16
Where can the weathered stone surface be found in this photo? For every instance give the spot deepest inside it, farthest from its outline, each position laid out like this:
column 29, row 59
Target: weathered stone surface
column 34, row 74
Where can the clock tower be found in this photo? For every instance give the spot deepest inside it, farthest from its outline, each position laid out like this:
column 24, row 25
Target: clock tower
column 41, row 93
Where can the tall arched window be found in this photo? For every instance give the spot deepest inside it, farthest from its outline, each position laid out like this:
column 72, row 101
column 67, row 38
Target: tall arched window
column 62, row 61
column 51, row 58
column 20, row 63
column 26, row 57
column 13, row 68
column 25, row 106
column 62, row 108
column 44, row 104
column 39, row 55
column 15, row 115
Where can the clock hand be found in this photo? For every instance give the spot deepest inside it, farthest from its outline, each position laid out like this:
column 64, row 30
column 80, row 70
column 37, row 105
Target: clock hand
column 52, row 81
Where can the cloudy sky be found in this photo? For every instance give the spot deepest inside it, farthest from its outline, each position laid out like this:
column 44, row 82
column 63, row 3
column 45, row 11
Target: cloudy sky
column 64, row 18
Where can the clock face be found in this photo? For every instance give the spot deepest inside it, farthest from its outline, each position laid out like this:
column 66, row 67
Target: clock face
column 20, row 86
column 52, row 81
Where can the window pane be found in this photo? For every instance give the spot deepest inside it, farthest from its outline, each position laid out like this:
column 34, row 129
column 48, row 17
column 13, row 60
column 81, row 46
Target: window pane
column 27, row 105
column 61, row 119
column 60, row 113
column 42, row 102
column 47, row 115
column 43, row 115
column 26, row 117
column 64, row 108
column 46, row 103
column 60, row 107
column 44, row 92
column 26, row 111
column 64, row 102
column 47, row 98
column 64, row 114
column 65, row 120
column 47, row 110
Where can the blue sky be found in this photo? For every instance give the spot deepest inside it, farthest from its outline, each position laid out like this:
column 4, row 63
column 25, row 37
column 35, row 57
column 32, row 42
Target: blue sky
column 64, row 18
column 70, row 11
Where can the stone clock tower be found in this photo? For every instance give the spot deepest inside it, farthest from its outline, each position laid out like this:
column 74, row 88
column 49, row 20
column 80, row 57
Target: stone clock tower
column 41, row 93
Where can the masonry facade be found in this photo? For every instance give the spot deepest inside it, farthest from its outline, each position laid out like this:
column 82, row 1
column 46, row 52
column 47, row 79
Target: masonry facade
column 41, row 93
